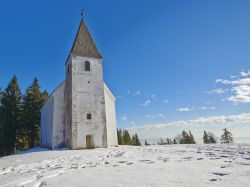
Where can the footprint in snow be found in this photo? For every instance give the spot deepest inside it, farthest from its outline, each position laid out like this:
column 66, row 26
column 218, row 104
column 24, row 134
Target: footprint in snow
column 122, row 162
column 130, row 163
column 213, row 180
column 144, row 160
column 55, row 167
column 187, row 158
column 225, row 166
column 147, row 161
column 40, row 184
column 216, row 158
column 74, row 166
column 165, row 159
column 244, row 164
column 220, row 173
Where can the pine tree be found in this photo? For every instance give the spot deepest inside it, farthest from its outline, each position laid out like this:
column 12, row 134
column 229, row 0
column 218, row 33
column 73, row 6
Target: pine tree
column 146, row 143
column 191, row 138
column 32, row 104
column 175, row 142
column 169, row 141
column 226, row 137
column 119, row 136
column 178, row 138
column 211, row 138
column 185, row 138
column 126, row 138
column 162, row 142
column 205, row 138
column 11, row 117
column 137, row 140
column 133, row 140
column 1, row 125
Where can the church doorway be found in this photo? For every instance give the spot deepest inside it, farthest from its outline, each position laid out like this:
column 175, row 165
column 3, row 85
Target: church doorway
column 89, row 142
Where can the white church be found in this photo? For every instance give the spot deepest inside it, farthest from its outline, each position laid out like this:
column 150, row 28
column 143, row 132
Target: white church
column 80, row 113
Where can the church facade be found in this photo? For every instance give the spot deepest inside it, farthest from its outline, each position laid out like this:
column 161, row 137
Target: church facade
column 80, row 113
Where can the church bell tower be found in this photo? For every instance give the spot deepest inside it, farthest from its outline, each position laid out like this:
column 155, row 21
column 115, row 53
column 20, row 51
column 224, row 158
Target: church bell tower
column 85, row 115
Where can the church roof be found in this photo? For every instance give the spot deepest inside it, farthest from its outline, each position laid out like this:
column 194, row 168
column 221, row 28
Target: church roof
column 84, row 44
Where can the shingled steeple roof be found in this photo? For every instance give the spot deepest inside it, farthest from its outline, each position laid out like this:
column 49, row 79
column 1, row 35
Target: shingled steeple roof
column 84, row 44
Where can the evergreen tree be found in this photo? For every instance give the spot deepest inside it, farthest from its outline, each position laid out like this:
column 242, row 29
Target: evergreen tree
column 211, row 138
column 133, row 140
column 126, row 138
column 185, row 138
column 1, row 125
column 11, row 117
column 175, row 142
column 169, row 141
column 191, row 138
column 205, row 138
column 119, row 136
column 146, row 143
column 226, row 137
column 178, row 138
column 32, row 104
column 137, row 140
column 162, row 142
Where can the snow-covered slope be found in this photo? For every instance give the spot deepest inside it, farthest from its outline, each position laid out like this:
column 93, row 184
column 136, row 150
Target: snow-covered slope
column 174, row 165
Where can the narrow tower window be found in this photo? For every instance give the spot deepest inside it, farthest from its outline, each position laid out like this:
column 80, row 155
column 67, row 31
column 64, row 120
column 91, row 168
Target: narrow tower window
column 87, row 66
column 89, row 116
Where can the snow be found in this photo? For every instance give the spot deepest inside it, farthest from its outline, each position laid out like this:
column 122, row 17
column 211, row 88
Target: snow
column 170, row 165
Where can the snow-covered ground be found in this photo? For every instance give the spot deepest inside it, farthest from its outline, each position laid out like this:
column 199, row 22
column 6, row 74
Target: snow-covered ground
column 174, row 165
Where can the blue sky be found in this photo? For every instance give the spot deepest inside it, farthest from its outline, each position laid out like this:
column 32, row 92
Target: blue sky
column 173, row 65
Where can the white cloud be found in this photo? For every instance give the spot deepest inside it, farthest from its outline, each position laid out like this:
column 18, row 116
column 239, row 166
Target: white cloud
column 128, row 92
column 245, row 74
column 155, row 116
column 216, row 120
column 234, row 82
column 218, row 91
column 165, row 101
column 183, row 109
column 146, row 103
column 241, row 94
column 240, row 88
column 132, row 122
column 137, row 93
column 233, row 77
column 207, row 108
column 153, row 95
column 124, row 118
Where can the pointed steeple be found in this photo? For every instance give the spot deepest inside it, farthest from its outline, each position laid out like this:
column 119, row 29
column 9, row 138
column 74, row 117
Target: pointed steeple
column 84, row 44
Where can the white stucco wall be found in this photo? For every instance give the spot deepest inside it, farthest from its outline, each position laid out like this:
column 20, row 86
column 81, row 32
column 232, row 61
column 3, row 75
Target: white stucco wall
column 87, row 97
column 64, row 115
column 47, row 123
column 52, row 119
column 58, row 117
column 110, row 117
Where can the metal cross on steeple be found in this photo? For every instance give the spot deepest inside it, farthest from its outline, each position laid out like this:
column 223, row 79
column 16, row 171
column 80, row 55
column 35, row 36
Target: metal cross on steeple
column 82, row 13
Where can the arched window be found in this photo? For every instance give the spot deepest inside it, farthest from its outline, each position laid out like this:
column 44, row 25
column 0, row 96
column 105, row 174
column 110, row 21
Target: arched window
column 87, row 66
